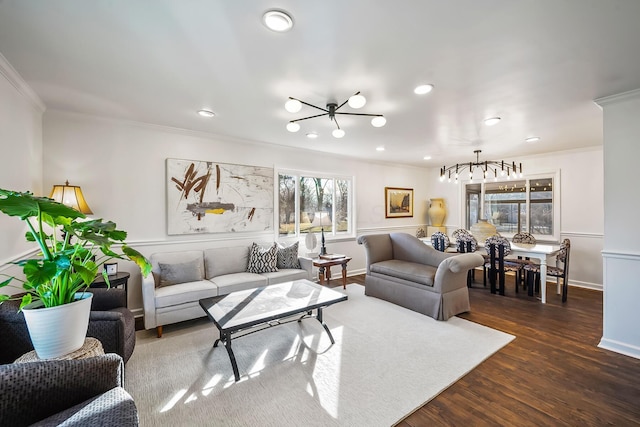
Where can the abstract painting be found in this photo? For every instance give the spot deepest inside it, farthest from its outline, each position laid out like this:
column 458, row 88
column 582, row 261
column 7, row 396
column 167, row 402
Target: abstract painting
column 210, row 197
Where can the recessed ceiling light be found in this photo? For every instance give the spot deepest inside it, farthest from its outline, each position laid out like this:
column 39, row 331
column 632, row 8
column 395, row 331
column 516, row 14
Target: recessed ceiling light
column 380, row 148
column 426, row 158
column 532, row 139
column 492, row 121
column 423, row 89
column 206, row 113
column 293, row 127
column 312, row 135
column 277, row 20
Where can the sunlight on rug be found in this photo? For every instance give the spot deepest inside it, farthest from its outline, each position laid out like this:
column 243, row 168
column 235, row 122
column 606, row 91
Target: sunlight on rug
column 386, row 362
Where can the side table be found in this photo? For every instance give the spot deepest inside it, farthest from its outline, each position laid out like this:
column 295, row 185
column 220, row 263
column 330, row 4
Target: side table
column 116, row 280
column 326, row 264
column 91, row 347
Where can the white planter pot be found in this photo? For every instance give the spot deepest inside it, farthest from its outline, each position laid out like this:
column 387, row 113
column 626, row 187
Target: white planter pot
column 57, row 331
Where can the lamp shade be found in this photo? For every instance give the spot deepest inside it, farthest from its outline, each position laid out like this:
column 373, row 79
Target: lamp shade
column 70, row 195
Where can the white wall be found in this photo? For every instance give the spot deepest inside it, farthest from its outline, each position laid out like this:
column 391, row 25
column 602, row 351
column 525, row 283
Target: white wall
column 21, row 148
column 121, row 169
column 581, row 204
column 621, row 253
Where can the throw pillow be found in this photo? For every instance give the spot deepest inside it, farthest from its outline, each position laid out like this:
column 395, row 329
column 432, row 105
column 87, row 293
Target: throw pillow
column 288, row 257
column 173, row 274
column 262, row 260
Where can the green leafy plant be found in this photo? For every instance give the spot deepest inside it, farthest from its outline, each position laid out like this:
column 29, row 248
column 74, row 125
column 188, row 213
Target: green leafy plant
column 72, row 249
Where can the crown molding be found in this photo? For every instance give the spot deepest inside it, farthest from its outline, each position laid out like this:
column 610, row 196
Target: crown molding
column 13, row 77
column 619, row 97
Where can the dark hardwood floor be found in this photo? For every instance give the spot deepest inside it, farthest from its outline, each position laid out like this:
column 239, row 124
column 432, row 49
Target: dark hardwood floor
column 552, row 374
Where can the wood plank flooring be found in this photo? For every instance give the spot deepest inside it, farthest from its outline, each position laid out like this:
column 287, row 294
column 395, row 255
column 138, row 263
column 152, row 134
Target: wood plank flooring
column 552, row 374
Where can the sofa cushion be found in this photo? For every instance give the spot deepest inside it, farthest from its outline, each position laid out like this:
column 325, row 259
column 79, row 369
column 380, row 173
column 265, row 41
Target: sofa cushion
column 183, row 272
column 415, row 272
column 262, row 260
column 288, row 256
column 185, row 292
column 220, row 261
column 285, row 275
column 172, row 258
column 228, row 283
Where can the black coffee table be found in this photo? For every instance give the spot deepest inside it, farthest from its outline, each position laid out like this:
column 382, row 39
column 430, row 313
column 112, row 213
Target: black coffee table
column 244, row 312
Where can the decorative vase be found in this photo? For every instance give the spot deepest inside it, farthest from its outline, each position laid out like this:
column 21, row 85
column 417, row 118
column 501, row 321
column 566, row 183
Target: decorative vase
column 56, row 331
column 437, row 212
column 482, row 229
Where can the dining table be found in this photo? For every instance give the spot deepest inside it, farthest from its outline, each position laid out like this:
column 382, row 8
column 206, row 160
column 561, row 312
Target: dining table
column 539, row 251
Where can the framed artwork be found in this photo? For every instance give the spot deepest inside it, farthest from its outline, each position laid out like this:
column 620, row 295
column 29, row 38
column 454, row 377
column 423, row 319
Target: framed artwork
column 398, row 202
column 111, row 269
column 212, row 197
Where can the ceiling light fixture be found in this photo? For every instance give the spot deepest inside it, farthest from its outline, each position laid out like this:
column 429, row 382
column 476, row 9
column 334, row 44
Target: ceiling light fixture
column 532, row 139
column 492, row 121
column 331, row 110
column 423, row 89
column 312, row 135
column 381, row 148
column 206, row 113
column 426, row 158
column 488, row 168
column 277, row 20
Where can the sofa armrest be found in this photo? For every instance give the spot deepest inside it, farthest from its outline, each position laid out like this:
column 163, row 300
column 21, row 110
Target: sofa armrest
column 149, row 301
column 377, row 248
column 36, row 390
column 306, row 264
column 452, row 272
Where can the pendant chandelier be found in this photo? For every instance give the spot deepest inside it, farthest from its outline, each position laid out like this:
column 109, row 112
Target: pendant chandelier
column 356, row 101
column 487, row 169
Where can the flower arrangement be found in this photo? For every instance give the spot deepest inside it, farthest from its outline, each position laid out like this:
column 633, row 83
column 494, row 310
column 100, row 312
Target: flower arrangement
column 72, row 249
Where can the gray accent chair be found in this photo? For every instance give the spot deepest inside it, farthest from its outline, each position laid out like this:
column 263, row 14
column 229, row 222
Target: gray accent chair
column 403, row 270
column 84, row 392
column 110, row 321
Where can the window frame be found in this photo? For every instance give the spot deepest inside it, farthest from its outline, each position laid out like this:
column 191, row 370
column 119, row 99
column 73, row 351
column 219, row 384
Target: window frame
column 555, row 200
column 331, row 235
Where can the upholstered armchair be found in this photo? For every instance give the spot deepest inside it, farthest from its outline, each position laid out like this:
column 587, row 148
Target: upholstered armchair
column 84, row 392
column 109, row 321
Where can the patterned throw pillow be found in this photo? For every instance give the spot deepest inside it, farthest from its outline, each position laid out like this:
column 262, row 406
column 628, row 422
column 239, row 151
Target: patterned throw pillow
column 262, row 260
column 288, row 257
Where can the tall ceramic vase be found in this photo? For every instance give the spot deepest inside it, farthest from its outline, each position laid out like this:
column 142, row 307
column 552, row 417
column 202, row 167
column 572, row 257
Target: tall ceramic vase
column 482, row 229
column 437, row 212
column 56, row 331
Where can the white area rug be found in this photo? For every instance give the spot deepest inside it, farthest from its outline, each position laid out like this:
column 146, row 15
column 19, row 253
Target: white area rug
column 386, row 362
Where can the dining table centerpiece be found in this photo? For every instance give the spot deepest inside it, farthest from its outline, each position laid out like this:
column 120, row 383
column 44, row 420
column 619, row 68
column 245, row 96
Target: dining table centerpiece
column 71, row 250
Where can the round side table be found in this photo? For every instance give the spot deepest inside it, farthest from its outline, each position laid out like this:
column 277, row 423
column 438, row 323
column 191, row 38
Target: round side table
column 91, row 347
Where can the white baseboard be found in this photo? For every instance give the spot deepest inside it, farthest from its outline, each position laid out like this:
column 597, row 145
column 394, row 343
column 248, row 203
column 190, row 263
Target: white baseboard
column 620, row 347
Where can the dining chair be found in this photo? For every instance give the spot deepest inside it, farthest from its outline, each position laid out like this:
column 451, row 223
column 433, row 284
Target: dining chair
column 440, row 241
column 529, row 239
column 498, row 248
column 559, row 271
column 467, row 243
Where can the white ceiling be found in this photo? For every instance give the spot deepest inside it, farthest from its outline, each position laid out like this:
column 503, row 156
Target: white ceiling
column 537, row 64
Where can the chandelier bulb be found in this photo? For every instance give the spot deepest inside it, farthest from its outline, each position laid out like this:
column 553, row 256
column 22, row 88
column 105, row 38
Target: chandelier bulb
column 293, row 105
column 357, row 101
column 293, row 127
column 378, row 121
column 337, row 133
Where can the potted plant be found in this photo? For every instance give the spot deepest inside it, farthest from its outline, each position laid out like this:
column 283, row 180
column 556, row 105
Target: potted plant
column 71, row 251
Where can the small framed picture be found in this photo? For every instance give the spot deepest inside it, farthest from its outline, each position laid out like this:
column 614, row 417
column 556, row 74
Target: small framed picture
column 398, row 202
column 111, row 269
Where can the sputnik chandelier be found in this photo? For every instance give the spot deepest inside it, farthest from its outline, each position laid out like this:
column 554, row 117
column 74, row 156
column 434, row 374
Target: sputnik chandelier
column 356, row 101
column 488, row 169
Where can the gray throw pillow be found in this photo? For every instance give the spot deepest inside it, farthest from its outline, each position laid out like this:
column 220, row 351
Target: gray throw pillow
column 288, row 257
column 173, row 274
column 262, row 260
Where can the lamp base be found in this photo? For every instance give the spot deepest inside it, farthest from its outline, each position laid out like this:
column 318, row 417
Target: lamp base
column 323, row 249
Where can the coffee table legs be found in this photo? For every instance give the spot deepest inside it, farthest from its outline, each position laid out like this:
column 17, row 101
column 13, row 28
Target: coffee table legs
column 324, row 325
column 226, row 339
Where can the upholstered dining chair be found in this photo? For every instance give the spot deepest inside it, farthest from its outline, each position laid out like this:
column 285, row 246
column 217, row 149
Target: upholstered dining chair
column 440, row 241
column 498, row 247
column 526, row 238
column 467, row 243
column 559, row 271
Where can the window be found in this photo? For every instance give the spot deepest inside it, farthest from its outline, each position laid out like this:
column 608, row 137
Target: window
column 311, row 202
column 515, row 206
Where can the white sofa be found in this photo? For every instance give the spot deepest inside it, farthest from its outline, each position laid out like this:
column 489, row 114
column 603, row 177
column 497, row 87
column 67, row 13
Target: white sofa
column 202, row 274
